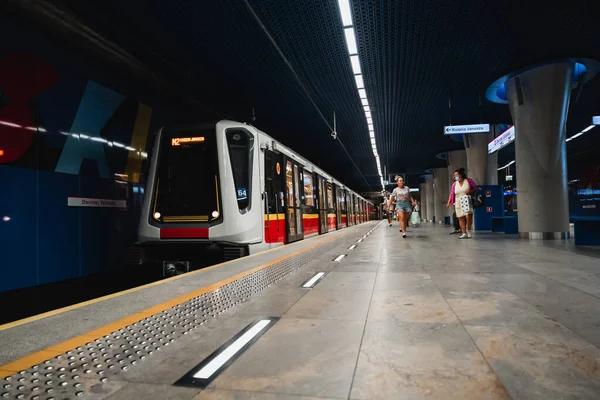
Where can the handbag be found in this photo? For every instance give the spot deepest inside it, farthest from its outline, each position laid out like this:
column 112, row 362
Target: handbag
column 478, row 200
column 415, row 219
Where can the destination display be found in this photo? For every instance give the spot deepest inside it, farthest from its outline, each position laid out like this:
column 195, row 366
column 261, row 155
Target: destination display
column 504, row 139
column 462, row 129
column 185, row 140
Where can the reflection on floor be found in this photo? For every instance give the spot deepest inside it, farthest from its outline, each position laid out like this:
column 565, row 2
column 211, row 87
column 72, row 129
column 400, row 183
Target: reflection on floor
column 429, row 316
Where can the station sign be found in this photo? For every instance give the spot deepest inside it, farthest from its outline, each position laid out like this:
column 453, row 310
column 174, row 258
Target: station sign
column 95, row 203
column 386, row 182
column 466, row 129
column 503, row 140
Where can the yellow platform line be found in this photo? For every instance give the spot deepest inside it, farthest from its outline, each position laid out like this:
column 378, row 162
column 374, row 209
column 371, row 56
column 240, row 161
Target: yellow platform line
column 55, row 350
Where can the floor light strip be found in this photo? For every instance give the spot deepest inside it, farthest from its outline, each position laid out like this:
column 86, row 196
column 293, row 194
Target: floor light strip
column 208, row 369
column 339, row 258
column 352, row 247
column 312, row 281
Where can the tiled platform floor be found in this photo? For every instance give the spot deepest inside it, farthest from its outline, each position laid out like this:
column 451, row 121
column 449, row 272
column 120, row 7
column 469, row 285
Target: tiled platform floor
column 428, row 317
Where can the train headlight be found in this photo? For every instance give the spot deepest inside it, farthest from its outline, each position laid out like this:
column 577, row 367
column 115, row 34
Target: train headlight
column 156, row 215
column 215, row 214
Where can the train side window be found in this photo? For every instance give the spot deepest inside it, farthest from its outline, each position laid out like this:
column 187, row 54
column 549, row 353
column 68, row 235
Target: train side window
column 240, row 144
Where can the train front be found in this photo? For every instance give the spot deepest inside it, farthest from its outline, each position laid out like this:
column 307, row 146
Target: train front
column 196, row 211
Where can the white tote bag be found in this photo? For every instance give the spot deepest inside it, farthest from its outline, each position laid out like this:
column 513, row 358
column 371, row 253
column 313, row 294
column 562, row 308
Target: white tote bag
column 465, row 204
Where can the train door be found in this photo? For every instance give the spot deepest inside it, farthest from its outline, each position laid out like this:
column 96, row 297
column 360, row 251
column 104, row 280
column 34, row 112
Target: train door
column 330, row 206
column 293, row 183
column 339, row 195
column 322, row 204
column 274, row 199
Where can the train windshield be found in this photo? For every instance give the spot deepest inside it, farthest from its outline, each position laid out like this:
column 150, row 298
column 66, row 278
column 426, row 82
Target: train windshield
column 187, row 184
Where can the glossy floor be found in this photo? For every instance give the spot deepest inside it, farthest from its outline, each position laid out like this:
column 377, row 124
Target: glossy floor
column 429, row 316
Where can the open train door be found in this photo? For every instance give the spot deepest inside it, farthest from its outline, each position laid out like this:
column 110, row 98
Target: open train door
column 293, row 212
column 274, row 198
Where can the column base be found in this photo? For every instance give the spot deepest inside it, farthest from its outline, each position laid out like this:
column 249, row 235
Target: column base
column 544, row 235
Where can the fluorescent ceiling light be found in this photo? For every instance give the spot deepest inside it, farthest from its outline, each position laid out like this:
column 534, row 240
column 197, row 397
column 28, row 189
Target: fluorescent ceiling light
column 345, row 12
column 99, row 139
column 369, row 121
column 352, row 247
column 365, row 102
column 372, row 134
column 129, row 148
column 588, row 128
column 574, row 136
column 507, row 165
column 367, row 108
column 217, row 362
column 362, row 93
column 350, row 40
column 370, row 126
column 355, row 61
column 313, row 280
column 368, row 114
column 118, row 144
column 359, row 81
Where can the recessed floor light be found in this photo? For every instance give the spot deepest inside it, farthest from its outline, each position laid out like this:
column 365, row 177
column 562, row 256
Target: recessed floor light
column 352, row 247
column 314, row 280
column 339, row 258
column 217, row 362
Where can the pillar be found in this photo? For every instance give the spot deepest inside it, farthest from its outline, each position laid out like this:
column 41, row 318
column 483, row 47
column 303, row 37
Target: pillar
column 539, row 113
column 441, row 191
column 481, row 166
column 423, row 193
column 430, row 197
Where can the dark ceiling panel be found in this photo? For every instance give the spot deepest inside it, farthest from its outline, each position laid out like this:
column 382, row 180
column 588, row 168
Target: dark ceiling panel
column 417, row 56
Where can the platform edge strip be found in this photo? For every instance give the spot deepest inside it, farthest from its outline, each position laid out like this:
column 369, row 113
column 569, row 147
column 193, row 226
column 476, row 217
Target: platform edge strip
column 50, row 352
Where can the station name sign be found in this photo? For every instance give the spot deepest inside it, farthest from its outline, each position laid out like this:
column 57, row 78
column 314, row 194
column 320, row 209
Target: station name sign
column 74, row 201
column 462, row 129
column 505, row 138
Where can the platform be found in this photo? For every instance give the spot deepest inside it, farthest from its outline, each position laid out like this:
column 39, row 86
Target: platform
column 429, row 316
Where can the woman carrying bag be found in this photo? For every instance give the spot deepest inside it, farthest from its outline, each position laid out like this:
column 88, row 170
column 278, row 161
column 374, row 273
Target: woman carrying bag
column 460, row 196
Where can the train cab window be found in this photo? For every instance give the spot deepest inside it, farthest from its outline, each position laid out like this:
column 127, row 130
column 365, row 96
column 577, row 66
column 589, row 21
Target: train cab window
column 309, row 198
column 240, row 144
column 186, row 181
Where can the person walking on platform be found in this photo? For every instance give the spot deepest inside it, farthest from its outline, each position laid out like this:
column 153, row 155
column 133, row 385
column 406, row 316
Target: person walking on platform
column 460, row 196
column 388, row 208
column 401, row 195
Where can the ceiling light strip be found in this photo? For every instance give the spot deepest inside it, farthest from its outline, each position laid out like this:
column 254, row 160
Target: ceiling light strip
column 352, row 46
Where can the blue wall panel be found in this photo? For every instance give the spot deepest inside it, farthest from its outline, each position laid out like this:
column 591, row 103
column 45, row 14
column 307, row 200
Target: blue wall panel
column 59, row 238
column 18, row 227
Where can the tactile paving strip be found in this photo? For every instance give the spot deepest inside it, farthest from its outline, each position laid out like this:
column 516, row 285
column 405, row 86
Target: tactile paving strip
column 73, row 373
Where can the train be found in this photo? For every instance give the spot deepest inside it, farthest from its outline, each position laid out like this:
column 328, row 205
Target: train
column 231, row 190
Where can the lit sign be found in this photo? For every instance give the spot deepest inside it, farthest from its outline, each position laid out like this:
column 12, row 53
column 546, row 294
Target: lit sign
column 507, row 137
column 509, row 177
column 460, row 129
column 1, row 153
column 596, row 120
column 183, row 140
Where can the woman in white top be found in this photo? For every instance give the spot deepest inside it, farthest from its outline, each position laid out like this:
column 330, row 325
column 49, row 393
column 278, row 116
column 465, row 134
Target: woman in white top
column 403, row 199
column 460, row 196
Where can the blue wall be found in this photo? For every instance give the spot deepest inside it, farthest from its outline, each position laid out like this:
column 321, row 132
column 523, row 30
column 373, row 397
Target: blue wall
column 67, row 126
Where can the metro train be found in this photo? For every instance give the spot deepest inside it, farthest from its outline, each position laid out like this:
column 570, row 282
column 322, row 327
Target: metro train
column 230, row 189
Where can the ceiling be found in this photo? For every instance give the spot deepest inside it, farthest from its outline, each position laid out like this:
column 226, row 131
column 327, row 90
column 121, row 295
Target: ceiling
column 287, row 60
